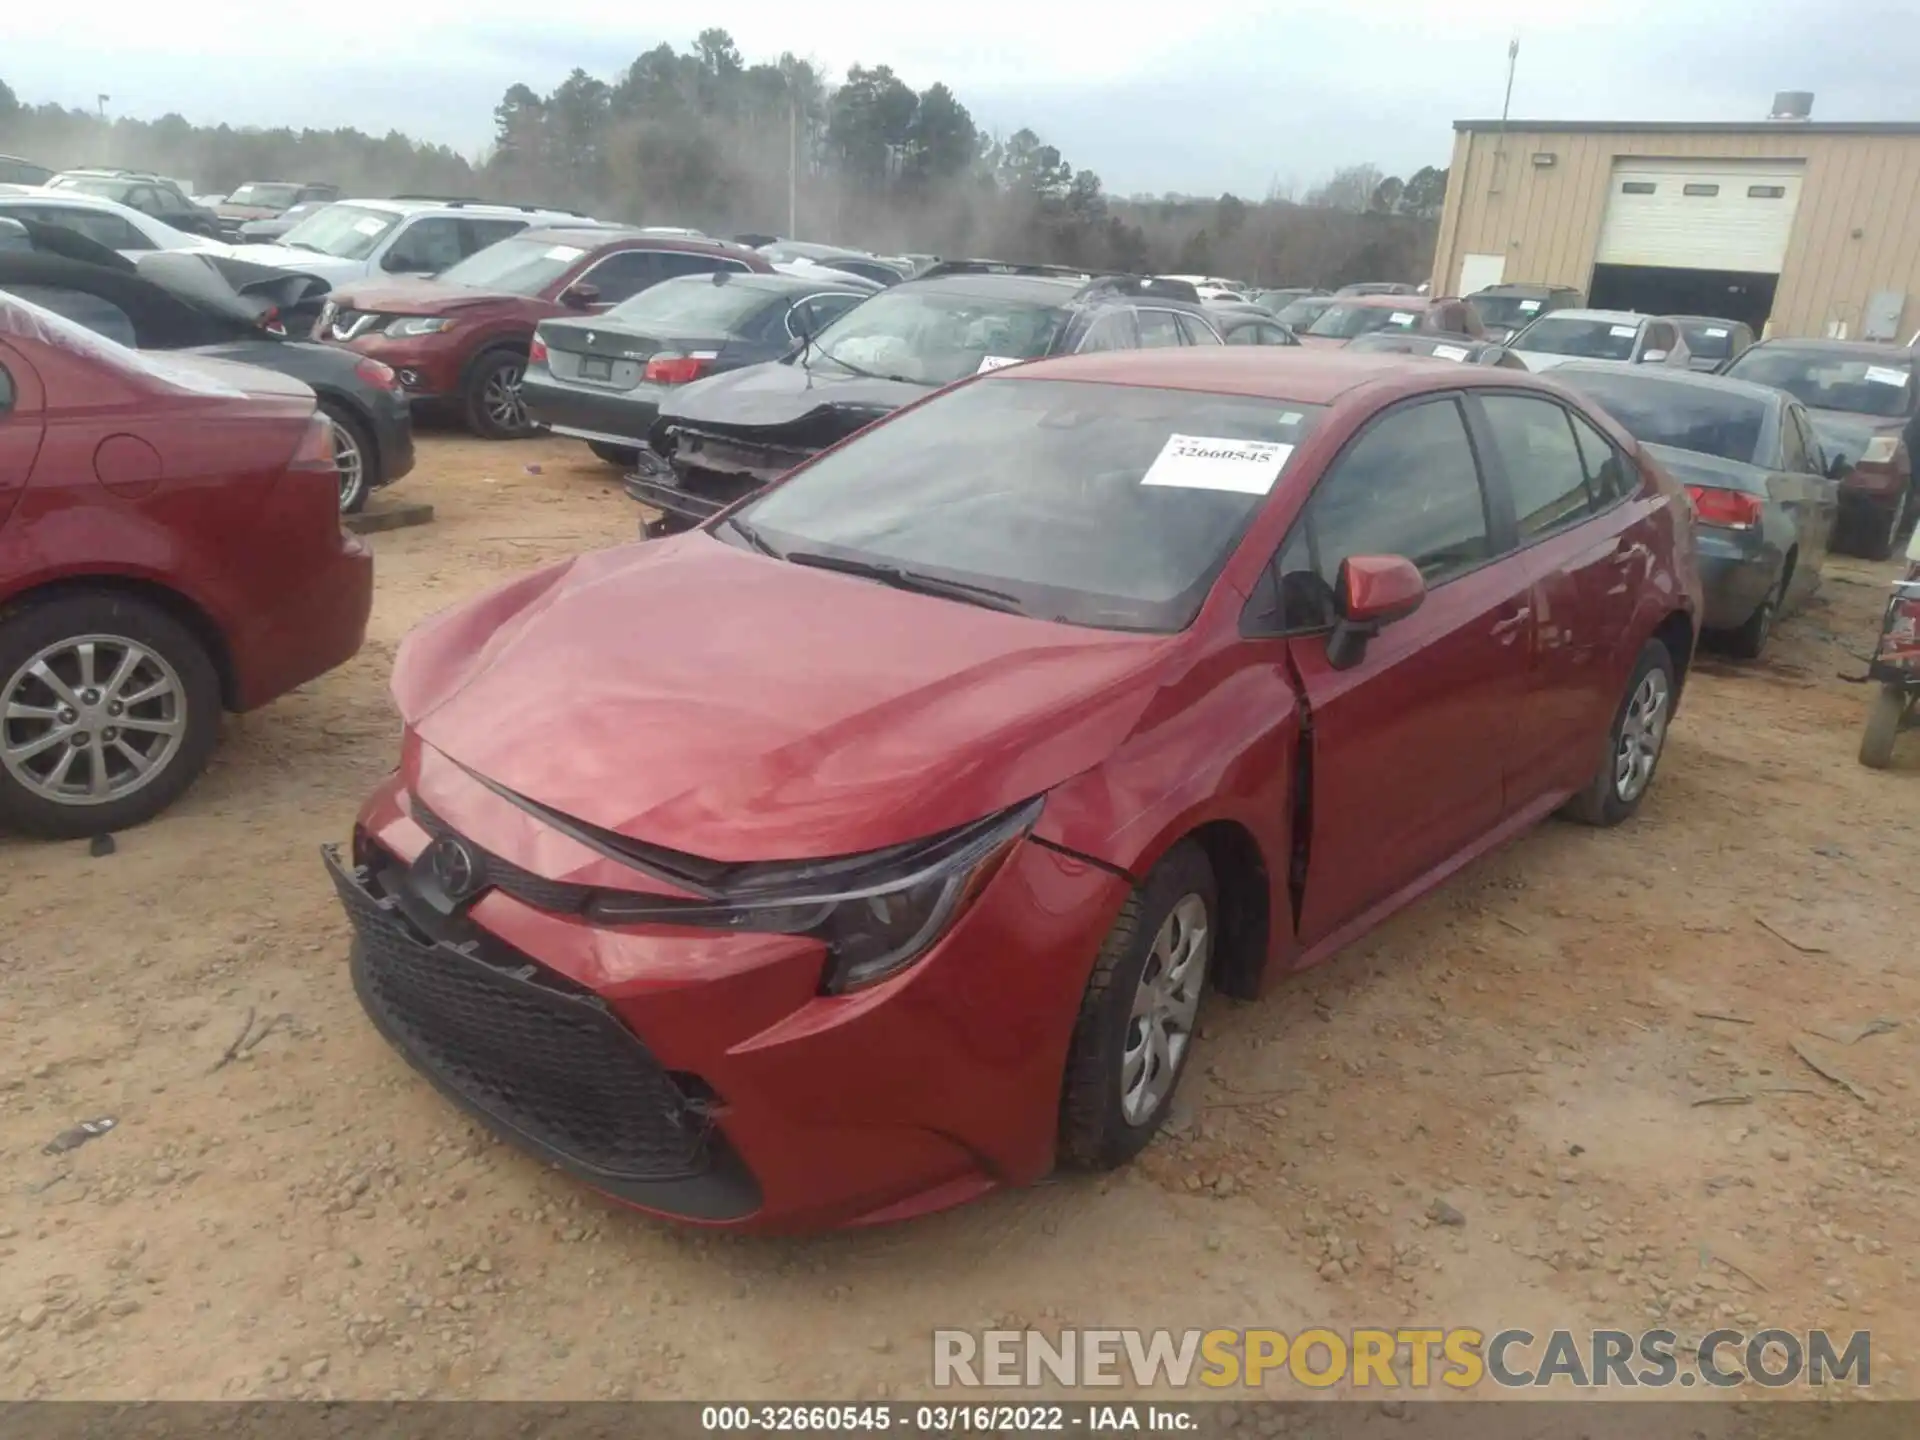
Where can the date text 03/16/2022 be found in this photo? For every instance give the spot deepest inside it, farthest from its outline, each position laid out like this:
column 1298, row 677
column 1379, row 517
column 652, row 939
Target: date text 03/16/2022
column 908, row 1418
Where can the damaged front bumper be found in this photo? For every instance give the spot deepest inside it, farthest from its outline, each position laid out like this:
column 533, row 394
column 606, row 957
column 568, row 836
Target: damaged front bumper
column 706, row 474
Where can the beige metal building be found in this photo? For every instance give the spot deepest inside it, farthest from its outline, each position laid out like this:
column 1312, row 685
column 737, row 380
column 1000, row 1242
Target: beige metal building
column 1813, row 228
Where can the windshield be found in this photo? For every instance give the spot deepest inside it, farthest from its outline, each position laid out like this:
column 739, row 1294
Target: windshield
column 1831, row 382
column 1508, row 311
column 934, row 337
column 1304, row 311
column 1589, row 339
column 1105, row 505
column 1343, row 322
column 348, row 232
column 1708, row 339
column 695, row 303
column 521, row 266
column 267, row 197
column 1701, row 418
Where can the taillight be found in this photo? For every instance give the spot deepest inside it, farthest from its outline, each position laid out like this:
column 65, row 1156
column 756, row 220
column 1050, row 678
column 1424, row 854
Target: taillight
column 316, row 447
column 677, row 369
column 1905, row 627
column 1729, row 509
column 374, row 373
column 537, row 352
column 271, row 322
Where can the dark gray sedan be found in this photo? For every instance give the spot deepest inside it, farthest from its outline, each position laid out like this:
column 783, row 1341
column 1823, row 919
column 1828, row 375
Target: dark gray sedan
column 1437, row 345
column 1763, row 496
column 601, row 378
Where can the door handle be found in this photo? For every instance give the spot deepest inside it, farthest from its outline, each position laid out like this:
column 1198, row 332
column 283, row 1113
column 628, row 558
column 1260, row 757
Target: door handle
column 1505, row 630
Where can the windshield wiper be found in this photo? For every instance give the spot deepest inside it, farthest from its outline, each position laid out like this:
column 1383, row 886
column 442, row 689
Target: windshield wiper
column 861, row 371
column 752, row 536
column 911, row 580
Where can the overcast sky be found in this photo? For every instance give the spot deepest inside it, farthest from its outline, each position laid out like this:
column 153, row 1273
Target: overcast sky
column 1207, row 96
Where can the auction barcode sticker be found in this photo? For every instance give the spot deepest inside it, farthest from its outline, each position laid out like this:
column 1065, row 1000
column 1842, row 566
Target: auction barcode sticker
column 1448, row 352
column 1718, row 332
column 994, row 362
column 1209, row 462
column 1886, row 375
column 567, row 253
column 1621, row 332
column 1400, row 317
column 1527, row 307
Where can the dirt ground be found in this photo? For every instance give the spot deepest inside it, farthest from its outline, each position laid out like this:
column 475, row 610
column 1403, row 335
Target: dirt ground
column 1583, row 1045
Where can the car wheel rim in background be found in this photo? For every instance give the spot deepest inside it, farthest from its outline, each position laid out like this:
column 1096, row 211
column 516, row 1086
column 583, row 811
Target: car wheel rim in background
column 1165, row 1002
column 1642, row 733
column 350, row 462
column 91, row 719
column 502, row 398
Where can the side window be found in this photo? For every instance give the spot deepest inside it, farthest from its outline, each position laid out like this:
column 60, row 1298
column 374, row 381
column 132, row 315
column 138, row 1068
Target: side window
column 1794, row 454
column 477, row 235
column 144, row 199
column 1112, row 331
column 1408, row 486
column 1606, row 472
column 1245, row 335
column 1810, row 447
column 1538, row 451
column 1306, row 601
column 6, row 392
column 819, row 311
column 622, row 276
column 101, row 226
column 1196, row 330
column 427, row 246
column 1157, row 328
column 687, row 262
column 102, row 317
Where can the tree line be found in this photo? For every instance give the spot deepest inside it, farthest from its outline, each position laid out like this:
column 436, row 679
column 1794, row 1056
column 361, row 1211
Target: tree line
column 702, row 137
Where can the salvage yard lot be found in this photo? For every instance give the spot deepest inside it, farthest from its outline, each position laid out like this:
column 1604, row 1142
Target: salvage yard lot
column 1584, row 1045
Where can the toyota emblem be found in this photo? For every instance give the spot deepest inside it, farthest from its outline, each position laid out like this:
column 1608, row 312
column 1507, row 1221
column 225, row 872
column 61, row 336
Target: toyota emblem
column 455, row 868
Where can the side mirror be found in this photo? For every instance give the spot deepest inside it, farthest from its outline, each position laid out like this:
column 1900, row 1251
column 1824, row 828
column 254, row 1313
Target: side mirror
column 1653, row 357
column 580, row 295
column 1837, row 468
column 1371, row 592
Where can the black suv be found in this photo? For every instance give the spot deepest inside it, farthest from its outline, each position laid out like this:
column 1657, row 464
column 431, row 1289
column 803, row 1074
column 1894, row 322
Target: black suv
column 1506, row 310
column 719, row 440
column 146, row 192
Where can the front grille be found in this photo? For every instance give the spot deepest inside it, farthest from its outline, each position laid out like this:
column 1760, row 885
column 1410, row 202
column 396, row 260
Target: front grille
column 519, row 1043
column 490, row 871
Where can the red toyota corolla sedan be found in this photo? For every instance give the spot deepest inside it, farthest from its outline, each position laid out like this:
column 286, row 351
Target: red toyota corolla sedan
column 874, row 845
column 170, row 547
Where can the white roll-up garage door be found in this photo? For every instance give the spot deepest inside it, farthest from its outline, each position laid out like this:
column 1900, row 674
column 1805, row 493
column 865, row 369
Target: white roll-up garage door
column 1701, row 214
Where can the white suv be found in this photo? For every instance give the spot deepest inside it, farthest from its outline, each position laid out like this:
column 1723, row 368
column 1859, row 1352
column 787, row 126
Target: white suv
column 118, row 227
column 364, row 239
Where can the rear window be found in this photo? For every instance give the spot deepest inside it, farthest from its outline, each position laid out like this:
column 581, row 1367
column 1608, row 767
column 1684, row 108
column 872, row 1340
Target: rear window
column 1345, row 321
column 935, row 336
column 520, row 266
column 1510, row 311
column 1826, row 381
column 1601, row 339
column 1701, row 418
column 1111, row 506
column 1708, row 339
column 694, row 301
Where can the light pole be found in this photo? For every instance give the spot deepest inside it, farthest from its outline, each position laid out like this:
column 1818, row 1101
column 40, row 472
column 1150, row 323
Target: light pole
column 103, row 104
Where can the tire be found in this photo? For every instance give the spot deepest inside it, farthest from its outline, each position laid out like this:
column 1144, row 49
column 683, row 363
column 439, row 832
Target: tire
column 1100, row 1128
column 1880, row 538
column 1885, row 713
column 623, row 456
column 494, row 407
column 1750, row 640
column 350, row 435
column 189, row 707
column 1608, row 798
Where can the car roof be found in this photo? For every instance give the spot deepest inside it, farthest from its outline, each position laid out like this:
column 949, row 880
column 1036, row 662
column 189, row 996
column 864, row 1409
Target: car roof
column 1674, row 375
column 1841, row 349
column 592, row 237
column 1297, row 375
column 459, row 207
column 1390, row 302
column 1618, row 317
column 1043, row 289
column 1521, row 287
column 1704, row 320
column 46, row 195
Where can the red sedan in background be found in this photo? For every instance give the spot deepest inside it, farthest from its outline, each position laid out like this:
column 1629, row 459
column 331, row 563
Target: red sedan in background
column 170, row 546
column 891, row 863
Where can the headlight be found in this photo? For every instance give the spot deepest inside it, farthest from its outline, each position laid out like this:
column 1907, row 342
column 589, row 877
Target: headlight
column 1880, row 450
column 876, row 914
column 417, row 325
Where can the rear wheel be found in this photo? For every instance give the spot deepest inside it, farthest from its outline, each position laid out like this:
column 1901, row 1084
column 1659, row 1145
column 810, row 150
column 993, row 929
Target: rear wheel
column 1634, row 744
column 1750, row 639
column 495, row 408
column 1882, row 532
column 623, row 456
column 1136, row 1028
column 1885, row 713
column 109, row 708
column 352, row 455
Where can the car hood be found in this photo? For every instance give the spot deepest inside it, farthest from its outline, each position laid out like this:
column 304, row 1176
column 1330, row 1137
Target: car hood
column 431, row 297
column 1844, row 434
column 809, row 407
column 1538, row 360
column 896, row 715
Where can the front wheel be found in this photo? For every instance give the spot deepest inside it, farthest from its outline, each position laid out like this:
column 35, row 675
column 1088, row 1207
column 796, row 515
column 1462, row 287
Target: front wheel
column 1634, row 743
column 1136, row 1027
column 109, row 708
column 1885, row 713
column 496, row 409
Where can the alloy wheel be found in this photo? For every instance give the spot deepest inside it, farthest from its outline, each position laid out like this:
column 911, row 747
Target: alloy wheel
column 1165, row 1002
column 351, row 462
column 1643, row 730
column 501, row 398
column 91, row 719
